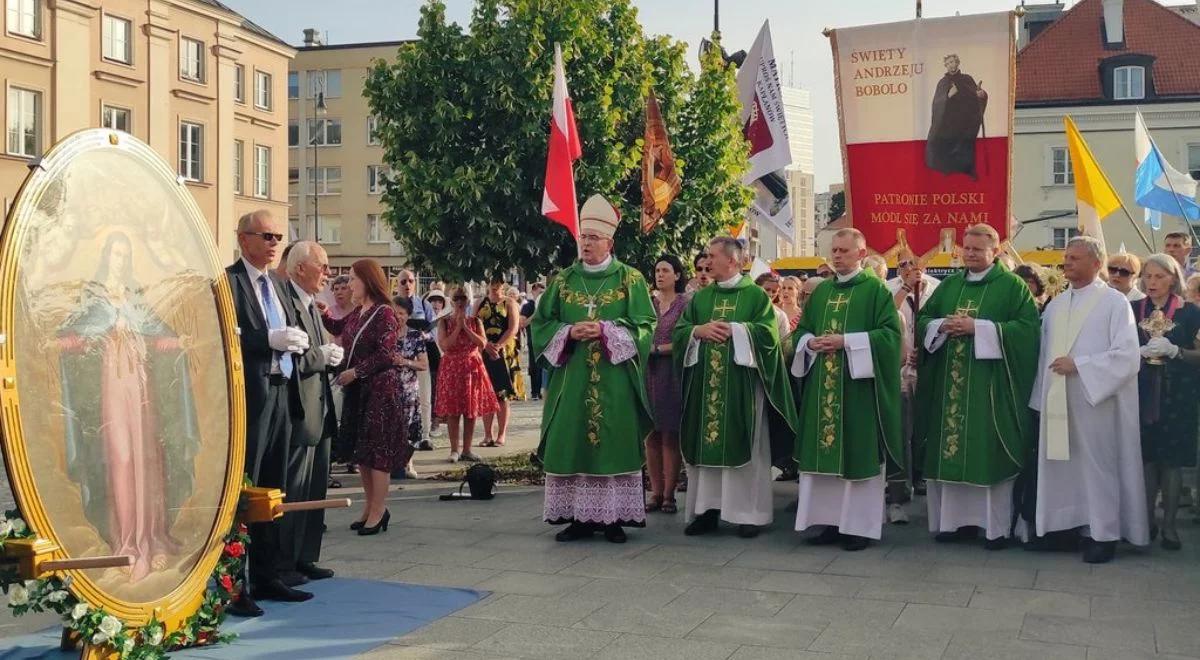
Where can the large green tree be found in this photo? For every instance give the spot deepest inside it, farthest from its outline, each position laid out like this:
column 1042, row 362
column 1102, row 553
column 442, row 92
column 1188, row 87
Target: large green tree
column 465, row 121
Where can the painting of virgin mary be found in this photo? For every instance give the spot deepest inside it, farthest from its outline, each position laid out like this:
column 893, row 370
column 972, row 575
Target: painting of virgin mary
column 131, row 429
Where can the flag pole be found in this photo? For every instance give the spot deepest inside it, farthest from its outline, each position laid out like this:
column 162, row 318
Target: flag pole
column 1136, row 226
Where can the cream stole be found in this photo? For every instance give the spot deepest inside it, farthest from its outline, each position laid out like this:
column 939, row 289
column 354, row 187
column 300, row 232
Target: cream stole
column 1068, row 323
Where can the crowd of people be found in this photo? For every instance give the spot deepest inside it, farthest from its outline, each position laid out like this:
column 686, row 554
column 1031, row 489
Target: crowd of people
column 1024, row 403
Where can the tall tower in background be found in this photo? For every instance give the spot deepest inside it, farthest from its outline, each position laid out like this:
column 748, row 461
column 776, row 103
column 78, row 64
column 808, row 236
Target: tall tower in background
column 797, row 111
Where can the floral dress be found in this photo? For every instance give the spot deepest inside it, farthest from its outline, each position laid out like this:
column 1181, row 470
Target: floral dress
column 463, row 386
column 505, row 370
column 410, row 347
column 661, row 384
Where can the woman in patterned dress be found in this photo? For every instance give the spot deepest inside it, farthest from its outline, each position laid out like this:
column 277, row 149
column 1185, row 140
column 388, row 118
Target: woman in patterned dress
column 371, row 410
column 411, row 357
column 464, row 391
column 663, row 459
column 501, row 319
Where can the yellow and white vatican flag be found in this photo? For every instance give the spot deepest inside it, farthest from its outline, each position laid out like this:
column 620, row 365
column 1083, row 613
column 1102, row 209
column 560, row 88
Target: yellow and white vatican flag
column 1095, row 196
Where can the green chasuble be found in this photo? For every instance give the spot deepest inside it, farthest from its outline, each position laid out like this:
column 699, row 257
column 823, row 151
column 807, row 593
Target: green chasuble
column 596, row 414
column 972, row 417
column 719, row 414
column 848, row 427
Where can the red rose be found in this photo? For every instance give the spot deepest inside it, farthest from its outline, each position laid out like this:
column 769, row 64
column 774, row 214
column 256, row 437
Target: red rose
column 235, row 549
column 227, row 583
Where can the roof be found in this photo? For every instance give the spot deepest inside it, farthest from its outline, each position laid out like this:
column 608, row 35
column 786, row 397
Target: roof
column 1062, row 63
column 245, row 22
column 365, row 44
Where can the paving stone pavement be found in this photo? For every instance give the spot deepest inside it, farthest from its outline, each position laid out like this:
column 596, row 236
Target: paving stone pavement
column 664, row 595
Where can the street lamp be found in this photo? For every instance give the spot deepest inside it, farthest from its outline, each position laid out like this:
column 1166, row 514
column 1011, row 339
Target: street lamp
column 318, row 112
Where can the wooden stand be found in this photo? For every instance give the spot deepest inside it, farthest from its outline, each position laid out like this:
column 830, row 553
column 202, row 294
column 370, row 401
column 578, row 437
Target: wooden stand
column 261, row 505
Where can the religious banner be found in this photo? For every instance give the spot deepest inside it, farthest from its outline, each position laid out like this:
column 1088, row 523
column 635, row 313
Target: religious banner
column 765, row 129
column 925, row 109
column 660, row 180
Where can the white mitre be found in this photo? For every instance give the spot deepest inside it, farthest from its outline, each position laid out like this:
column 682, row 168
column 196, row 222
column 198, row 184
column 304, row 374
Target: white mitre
column 599, row 217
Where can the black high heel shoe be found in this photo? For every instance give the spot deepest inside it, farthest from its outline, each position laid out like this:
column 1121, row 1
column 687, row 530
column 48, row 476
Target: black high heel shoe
column 357, row 525
column 382, row 525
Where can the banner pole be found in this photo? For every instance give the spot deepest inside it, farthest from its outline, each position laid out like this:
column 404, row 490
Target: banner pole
column 1138, row 227
column 918, row 8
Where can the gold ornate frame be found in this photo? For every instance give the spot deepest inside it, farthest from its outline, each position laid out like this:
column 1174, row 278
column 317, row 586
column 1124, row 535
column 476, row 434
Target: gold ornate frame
column 185, row 599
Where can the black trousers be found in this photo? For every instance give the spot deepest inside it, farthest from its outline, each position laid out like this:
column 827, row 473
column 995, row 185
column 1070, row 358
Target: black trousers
column 307, row 480
column 535, row 378
column 268, row 436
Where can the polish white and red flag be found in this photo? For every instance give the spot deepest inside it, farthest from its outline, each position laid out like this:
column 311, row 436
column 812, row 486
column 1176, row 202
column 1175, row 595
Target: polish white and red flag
column 558, row 199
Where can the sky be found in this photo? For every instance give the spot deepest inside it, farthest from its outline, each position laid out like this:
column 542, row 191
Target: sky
column 801, row 50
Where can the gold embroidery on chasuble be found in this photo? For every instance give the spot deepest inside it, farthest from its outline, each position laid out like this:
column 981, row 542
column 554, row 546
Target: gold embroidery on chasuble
column 717, row 356
column 955, row 418
column 830, row 394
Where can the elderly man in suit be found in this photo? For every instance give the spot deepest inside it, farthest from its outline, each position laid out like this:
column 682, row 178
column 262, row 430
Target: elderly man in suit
column 270, row 343
column 314, row 421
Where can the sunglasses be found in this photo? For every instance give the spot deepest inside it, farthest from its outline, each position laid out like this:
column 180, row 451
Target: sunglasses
column 1116, row 270
column 265, row 235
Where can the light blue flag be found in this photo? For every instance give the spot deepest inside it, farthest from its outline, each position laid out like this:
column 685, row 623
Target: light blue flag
column 1157, row 186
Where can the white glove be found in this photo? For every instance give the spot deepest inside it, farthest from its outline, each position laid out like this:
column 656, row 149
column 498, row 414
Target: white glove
column 1163, row 347
column 288, row 340
column 1148, row 352
column 333, row 354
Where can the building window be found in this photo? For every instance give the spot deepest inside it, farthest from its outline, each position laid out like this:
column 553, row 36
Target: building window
column 118, row 46
column 325, row 180
column 262, row 90
column 293, row 86
column 1060, row 236
column 191, row 151
column 24, row 122
column 1193, row 160
column 376, row 175
column 293, row 133
column 239, row 167
column 329, row 228
column 329, row 82
column 115, row 118
column 262, row 171
column 1129, row 82
column 1060, row 172
column 377, row 229
column 293, row 230
column 239, row 83
column 191, row 60
column 325, row 132
column 372, row 130
column 24, row 17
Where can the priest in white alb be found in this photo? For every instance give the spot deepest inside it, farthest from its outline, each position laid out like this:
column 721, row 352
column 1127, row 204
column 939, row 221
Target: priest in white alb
column 1089, row 474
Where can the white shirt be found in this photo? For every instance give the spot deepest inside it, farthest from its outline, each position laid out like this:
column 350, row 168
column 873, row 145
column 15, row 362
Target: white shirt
column 254, row 274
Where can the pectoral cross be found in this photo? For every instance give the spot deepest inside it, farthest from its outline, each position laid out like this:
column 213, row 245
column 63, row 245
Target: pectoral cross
column 837, row 303
column 591, row 307
column 969, row 309
column 724, row 309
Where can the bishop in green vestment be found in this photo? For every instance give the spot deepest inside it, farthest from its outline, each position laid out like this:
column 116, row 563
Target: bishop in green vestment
column 848, row 362
column 594, row 326
column 738, row 411
column 979, row 335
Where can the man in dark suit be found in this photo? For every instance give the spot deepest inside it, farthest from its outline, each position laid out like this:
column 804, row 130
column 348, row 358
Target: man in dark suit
column 314, row 421
column 270, row 340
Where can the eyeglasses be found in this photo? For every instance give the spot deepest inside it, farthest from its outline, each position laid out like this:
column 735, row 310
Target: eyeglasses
column 906, row 264
column 1117, row 270
column 591, row 238
column 265, row 235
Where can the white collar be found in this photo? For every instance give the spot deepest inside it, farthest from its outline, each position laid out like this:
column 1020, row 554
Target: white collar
column 849, row 276
column 253, row 272
column 975, row 277
column 1087, row 287
column 731, row 282
column 600, row 267
column 305, row 298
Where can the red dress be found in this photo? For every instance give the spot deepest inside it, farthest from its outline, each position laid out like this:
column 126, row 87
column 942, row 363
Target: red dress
column 372, row 410
column 463, row 386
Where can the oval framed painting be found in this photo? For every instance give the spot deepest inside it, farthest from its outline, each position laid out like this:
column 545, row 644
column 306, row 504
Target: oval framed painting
column 122, row 417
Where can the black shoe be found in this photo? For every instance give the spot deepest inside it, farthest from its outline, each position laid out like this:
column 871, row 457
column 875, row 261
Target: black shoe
column 333, row 483
column 380, row 526
column 919, row 488
column 534, row 459
column 828, row 536
column 747, row 531
column 996, row 544
column 574, row 532
column 293, row 578
column 614, row 534
column 357, row 525
column 789, row 473
column 1171, row 543
column 277, row 590
column 351, row 469
column 1099, row 553
column 1153, row 532
column 424, row 445
column 960, row 534
column 244, row 606
column 703, row 524
column 312, row 571
column 851, row 543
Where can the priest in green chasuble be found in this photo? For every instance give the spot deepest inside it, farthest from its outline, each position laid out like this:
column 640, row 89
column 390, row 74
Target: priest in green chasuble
column 739, row 416
column 593, row 326
column 848, row 362
column 979, row 336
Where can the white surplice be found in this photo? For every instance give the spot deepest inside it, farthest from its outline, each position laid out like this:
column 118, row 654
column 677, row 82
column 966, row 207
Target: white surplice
column 743, row 494
column 1100, row 486
column 854, row 507
column 953, row 505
